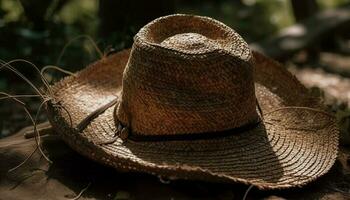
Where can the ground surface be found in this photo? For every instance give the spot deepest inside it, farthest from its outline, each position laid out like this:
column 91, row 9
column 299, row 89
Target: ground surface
column 70, row 173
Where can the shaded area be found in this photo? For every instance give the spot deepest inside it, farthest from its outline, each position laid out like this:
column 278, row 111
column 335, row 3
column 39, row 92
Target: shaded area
column 70, row 173
column 37, row 30
column 42, row 27
column 305, row 34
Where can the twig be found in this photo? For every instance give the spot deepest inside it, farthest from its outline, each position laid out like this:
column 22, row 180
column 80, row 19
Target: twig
column 43, row 129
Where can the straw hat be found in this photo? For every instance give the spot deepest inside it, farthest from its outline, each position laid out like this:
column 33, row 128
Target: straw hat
column 190, row 100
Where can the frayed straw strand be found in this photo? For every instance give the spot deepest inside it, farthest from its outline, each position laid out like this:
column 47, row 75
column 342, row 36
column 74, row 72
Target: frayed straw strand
column 81, row 192
column 8, row 66
column 74, row 39
column 34, row 124
column 246, row 192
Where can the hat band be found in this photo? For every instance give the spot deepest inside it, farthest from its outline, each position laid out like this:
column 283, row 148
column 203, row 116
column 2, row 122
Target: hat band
column 125, row 132
column 185, row 137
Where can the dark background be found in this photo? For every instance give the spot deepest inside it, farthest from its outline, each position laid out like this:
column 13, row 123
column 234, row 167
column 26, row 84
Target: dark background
column 310, row 37
column 38, row 30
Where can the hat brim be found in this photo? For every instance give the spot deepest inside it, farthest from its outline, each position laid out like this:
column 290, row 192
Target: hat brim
column 296, row 142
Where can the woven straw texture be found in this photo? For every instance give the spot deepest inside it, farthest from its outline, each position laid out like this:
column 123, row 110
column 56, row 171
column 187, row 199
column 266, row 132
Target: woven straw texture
column 295, row 143
column 187, row 75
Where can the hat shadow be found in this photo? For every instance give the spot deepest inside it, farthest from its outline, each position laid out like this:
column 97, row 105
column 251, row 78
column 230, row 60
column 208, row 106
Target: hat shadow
column 75, row 172
column 247, row 150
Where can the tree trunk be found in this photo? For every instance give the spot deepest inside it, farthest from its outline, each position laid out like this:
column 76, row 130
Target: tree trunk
column 304, row 9
column 120, row 15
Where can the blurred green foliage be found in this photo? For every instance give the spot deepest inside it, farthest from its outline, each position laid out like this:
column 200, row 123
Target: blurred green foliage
column 253, row 19
column 37, row 30
column 21, row 38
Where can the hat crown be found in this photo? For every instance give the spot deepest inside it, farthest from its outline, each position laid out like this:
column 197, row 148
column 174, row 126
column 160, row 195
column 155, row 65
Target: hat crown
column 188, row 42
column 187, row 75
